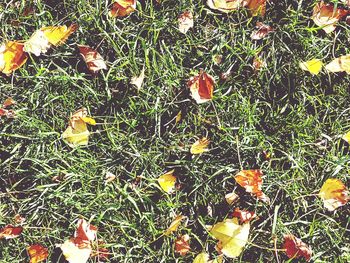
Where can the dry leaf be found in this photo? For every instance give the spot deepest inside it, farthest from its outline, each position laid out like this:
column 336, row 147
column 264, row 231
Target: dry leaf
column 232, row 236
column 182, row 245
column 257, row 7
column 339, row 64
column 258, row 64
column 8, row 102
column 201, row 258
column 178, row 117
column 12, row 57
column 92, row 58
column 231, row 198
column 251, row 181
column 138, row 80
column 346, row 137
column 167, row 181
column 334, row 194
column 262, row 31
column 37, row 44
column 314, row 66
column 174, row 225
column 37, row 253
column 109, row 177
column 19, row 219
column 10, row 231
column 57, row 35
column 201, row 87
column 327, row 16
column 244, row 216
column 77, row 133
column 226, row 6
column 185, row 21
column 122, row 8
column 200, row 146
column 295, row 248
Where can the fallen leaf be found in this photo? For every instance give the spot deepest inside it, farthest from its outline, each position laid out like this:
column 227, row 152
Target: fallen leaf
column 182, row 245
column 261, row 32
column 258, row 64
column 185, row 21
column 77, row 133
column 327, row 16
column 295, row 248
column 167, row 181
column 201, row 258
column 314, row 66
column 19, row 219
column 334, row 194
column 37, row 44
column 6, row 112
column 12, row 57
column 174, row 225
column 178, row 117
column 251, row 181
column 226, row 6
column 200, row 146
column 257, row 7
column 10, row 231
column 231, row 198
column 244, row 216
column 92, row 58
column 8, row 102
column 37, row 253
column 231, row 235
column 57, row 35
column 346, row 137
column 109, row 177
column 339, row 64
column 201, row 87
column 138, row 80
column 121, row 8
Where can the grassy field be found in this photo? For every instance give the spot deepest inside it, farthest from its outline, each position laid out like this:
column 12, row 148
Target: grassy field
column 297, row 117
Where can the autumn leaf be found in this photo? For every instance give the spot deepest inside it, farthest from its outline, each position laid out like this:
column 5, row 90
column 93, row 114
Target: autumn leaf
column 182, row 245
column 295, row 248
column 10, row 231
column 244, row 216
column 57, row 35
column 77, row 133
column 121, row 8
column 6, row 112
column 138, row 80
column 346, row 137
column 334, row 194
column 37, row 44
column 167, row 181
column 261, row 31
column 110, row 177
column 200, row 146
column 12, row 57
column 8, row 102
column 226, row 6
column 339, row 64
column 327, row 16
column 251, row 181
column 231, row 235
column 258, row 63
column 257, row 7
column 201, row 87
column 314, row 66
column 92, row 58
column 37, row 253
column 174, row 225
column 231, row 198
column 185, row 21
column 201, row 258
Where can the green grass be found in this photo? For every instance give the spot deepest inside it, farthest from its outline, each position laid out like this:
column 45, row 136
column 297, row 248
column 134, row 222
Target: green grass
column 281, row 109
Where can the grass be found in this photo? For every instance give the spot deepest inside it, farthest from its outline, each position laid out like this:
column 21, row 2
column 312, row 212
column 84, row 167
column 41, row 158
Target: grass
column 281, row 109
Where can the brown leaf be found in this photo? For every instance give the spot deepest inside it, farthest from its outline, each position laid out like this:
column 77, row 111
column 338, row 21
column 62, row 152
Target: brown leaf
column 244, row 216
column 295, row 248
column 37, row 253
column 92, row 58
column 182, row 245
column 10, row 231
column 262, row 31
column 185, row 21
column 122, row 8
column 201, row 87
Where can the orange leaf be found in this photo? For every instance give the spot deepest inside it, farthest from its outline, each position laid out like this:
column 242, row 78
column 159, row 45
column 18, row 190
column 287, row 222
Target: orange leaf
column 123, row 8
column 295, row 248
column 257, row 7
column 12, row 56
column 182, row 245
column 244, row 216
column 201, row 87
column 92, row 58
column 10, row 231
column 327, row 16
column 8, row 102
column 262, row 31
column 37, row 253
column 334, row 194
column 252, row 182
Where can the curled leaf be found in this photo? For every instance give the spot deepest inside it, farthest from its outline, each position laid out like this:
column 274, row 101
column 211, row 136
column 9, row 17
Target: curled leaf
column 37, row 253
column 167, row 181
column 295, row 248
column 200, row 146
column 121, row 8
column 334, row 194
column 185, row 21
column 182, row 245
column 314, row 66
column 251, row 181
column 174, row 225
column 201, row 87
column 92, row 58
column 10, row 231
column 262, row 31
column 339, row 64
column 12, row 56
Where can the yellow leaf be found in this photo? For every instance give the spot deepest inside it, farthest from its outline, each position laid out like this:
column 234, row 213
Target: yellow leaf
column 37, row 44
column 314, row 66
column 339, row 64
column 89, row 120
column 346, row 137
column 201, row 258
column 167, row 181
column 178, row 117
column 57, row 35
column 174, row 225
column 200, row 146
column 12, row 56
column 334, row 194
column 232, row 236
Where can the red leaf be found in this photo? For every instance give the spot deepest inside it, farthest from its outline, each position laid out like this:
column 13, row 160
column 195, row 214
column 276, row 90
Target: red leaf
column 37, row 253
column 10, row 231
column 244, row 216
column 295, row 248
